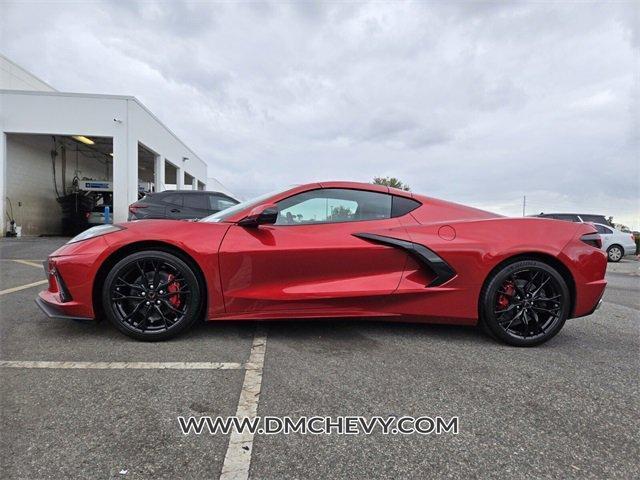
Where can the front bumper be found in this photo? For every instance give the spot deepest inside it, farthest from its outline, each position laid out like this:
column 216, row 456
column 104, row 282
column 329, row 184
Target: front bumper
column 70, row 271
column 53, row 308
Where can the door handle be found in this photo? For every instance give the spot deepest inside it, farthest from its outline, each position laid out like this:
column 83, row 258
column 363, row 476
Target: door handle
column 174, row 210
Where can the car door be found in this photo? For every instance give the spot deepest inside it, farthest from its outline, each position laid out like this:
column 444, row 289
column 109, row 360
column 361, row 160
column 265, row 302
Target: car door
column 174, row 205
column 310, row 258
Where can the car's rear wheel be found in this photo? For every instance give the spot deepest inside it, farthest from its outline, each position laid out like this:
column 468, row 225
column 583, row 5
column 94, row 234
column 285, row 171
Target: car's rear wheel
column 525, row 303
column 151, row 295
column 615, row 253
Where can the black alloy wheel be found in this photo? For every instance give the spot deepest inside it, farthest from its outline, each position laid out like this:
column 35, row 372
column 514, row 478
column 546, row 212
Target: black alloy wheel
column 525, row 304
column 151, row 295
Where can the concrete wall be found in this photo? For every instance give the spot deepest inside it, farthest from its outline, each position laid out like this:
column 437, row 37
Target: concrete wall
column 14, row 77
column 30, row 185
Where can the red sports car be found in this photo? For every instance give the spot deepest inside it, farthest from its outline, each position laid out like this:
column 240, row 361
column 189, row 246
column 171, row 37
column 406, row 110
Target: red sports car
column 334, row 249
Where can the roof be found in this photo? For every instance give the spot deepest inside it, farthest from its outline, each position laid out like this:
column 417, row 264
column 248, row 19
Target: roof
column 191, row 192
column 104, row 97
column 570, row 213
column 362, row 186
column 13, row 74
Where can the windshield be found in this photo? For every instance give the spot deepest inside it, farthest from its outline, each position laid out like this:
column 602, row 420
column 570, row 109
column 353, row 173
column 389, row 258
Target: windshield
column 222, row 215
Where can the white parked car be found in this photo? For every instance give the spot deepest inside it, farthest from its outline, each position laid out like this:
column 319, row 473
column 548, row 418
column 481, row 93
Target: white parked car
column 617, row 244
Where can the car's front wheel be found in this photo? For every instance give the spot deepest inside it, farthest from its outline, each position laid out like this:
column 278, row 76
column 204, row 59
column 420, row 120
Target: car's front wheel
column 525, row 303
column 615, row 253
column 151, row 295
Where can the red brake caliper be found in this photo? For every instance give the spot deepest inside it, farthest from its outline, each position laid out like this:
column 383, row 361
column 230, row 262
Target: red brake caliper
column 173, row 287
column 505, row 298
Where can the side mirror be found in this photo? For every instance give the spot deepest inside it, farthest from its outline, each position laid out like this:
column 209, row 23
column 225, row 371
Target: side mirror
column 260, row 215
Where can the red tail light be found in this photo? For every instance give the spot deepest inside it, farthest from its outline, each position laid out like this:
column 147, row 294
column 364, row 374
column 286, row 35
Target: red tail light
column 134, row 207
column 592, row 239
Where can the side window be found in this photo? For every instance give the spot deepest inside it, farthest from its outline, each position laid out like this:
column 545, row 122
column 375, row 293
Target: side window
column 600, row 228
column 403, row 205
column 567, row 217
column 225, row 203
column 333, row 205
column 173, row 199
column 196, row 201
column 594, row 218
column 218, row 203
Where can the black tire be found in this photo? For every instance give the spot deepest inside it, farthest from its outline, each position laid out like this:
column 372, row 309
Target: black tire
column 615, row 253
column 152, row 295
column 525, row 303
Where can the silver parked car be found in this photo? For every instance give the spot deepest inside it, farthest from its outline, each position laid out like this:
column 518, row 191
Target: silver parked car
column 616, row 243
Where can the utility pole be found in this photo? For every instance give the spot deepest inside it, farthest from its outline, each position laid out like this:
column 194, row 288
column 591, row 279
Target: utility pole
column 524, row 205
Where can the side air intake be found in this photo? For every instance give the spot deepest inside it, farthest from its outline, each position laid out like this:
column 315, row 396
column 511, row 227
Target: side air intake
column 428, row 258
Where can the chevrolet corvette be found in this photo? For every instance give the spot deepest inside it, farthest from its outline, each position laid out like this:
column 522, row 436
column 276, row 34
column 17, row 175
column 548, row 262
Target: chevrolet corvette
column 332, row 249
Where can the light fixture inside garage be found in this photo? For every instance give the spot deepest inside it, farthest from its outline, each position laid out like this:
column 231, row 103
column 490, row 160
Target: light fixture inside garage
column 83, row 139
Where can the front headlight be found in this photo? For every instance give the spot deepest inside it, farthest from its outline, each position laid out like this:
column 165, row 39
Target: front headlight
column 95, row 232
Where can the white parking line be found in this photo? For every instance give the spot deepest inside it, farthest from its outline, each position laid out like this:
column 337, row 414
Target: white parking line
column 123, row 365
column 28, row 285
column 30, row 263
column 238, row 457
column 22, row 287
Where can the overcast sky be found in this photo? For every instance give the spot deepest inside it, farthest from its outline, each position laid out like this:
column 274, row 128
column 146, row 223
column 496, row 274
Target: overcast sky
column 477, row 103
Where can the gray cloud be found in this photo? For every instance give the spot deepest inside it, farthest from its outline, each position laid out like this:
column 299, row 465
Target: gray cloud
column 476, row 102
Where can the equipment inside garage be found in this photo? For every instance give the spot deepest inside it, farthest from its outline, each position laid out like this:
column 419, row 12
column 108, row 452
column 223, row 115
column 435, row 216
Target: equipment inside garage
column 62, row 185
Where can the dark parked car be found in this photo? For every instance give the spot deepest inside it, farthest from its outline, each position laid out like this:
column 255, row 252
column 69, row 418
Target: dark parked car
column 576, row 217
column 180, row 204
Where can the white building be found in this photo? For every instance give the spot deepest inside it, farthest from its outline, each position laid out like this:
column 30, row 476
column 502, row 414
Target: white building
column 99, row 137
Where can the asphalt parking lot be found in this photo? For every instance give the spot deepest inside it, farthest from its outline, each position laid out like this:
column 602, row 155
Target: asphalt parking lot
column 567, row 409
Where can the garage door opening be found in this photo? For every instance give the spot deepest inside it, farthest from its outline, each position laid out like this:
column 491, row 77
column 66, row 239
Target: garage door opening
column 170, row 176
column 54, row 182
column 146, row 169
column 188, row 181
